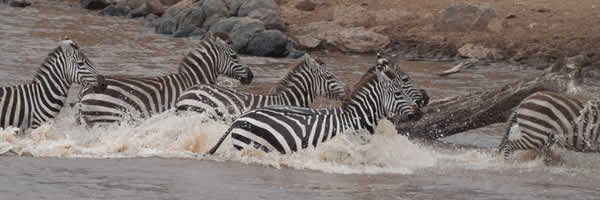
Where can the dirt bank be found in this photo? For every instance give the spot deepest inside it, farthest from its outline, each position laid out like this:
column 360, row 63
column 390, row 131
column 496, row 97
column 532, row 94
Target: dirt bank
column 533, row 32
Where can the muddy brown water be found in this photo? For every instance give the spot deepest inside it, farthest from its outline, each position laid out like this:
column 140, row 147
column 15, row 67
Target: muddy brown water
column 158, row 158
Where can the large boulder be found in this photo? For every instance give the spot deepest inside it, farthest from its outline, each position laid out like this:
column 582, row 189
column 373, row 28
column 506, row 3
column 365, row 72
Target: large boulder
column 358, row 40
column 266, row 11
column 201, row 15
column 271, row 43
column 352, row 16
column 115, row 10
column 242, row 32
column 94, row 4
column 355, row 39
column 464, row 17
column 19, row 3
column 234, row 6
column 226, row 24
column 141, row 10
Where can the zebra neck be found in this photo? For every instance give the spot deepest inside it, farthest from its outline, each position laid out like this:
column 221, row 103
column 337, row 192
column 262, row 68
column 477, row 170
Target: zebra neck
column 185, row 79
column 295, row 95
column 50, row 81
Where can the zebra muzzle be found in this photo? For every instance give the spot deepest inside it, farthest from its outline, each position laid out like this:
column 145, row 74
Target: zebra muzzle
column 100, row 85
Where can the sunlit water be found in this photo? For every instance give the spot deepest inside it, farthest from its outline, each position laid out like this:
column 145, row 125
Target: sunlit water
column 159, row 158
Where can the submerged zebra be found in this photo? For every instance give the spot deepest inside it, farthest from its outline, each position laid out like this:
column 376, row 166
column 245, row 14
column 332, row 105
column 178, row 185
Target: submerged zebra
column 135, row 98
column 287, row 129
column 309, row 78
column 545, row 118
column 29, row 105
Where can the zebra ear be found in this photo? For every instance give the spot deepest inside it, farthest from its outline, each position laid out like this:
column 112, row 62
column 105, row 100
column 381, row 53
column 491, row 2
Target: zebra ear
column 381, row 75
column 209, row 36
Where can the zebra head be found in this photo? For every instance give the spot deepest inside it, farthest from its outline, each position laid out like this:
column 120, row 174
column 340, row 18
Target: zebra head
column 227, row 58
column 418, row 95
column 77, row 67
column 396, row 103
column 326, row 83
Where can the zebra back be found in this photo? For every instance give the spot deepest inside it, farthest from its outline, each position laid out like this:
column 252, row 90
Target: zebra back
column 307, row 79
column 546, row 118
column 287, row 129
column 30, row 105
column 135, row 98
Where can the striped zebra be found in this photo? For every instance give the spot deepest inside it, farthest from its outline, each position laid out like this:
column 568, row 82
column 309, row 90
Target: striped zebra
column 29, row 105
column 309, row 78
column 546, row 118
column 419, row 95
column 287, row 129
column 135, row 98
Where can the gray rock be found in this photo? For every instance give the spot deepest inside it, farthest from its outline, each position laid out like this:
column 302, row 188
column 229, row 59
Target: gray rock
column 141, row 11
column 19, row 3
column 464, row 17
column 251, row 5
column 202, row 14
column 151, row 17
column 234, row 6
column 295, row 54
column 94, row 4
column 270, row 18
column 271, row 43
column 242, row 32
column 190, row 31
column 226, row 24
column 165, row 26
column 115, row 10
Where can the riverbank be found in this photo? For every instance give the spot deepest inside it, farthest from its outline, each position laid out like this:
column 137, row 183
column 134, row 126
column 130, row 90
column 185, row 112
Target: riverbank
column 533, row 33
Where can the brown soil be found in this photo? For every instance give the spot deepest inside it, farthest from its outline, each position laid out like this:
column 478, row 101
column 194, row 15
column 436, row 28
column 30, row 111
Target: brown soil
column 538, row 31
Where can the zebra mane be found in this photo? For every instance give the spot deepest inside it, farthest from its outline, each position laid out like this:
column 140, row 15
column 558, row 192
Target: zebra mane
column 282, row 84
column 369, row 76
column 51, row 57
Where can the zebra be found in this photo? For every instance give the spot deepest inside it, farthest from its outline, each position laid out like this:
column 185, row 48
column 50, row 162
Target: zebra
column 142, row 97
column 309, row 78
column 546, row 118
column 419, row 95
column 29, row 105
column 287, row 129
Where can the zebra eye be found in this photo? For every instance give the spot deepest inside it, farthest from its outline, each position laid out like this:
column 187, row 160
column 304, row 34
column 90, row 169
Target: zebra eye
column 234, row 56
column 80, row 63
column 405, row 79
column 398, row 93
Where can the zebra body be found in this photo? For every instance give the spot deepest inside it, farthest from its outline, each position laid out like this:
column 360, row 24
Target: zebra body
column 546, row 118
column 134, row 98
column 287, row 129
column 29, row 105
column 308, row 79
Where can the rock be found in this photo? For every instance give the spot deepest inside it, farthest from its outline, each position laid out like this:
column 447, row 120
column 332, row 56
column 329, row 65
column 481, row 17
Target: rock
column 19, row 3
column 270, row 18
column 358, row 40
column 151, row 17
column 309, row 42
column 542, row 10
column 165, row 26
column 201, row 14
column 271, row 43
column 464, row 17
column 295, row 54
column 234, row 6
column 242, row 32
column 352, row 16
column 387, row 16
column 480, row 52
column 251, row 5
column 173, row 10
column 141, row 11
column 306, row 5
column 190, row 31
column 94, row 4
column 511, row 16
column 115, row 10
column 225, row 25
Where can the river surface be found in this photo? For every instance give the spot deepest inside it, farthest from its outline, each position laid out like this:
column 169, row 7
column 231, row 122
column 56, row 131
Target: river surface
column 158, row 159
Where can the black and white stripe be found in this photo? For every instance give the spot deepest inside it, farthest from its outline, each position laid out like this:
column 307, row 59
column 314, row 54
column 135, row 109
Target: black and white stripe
column 419, row 95
column 29, row 105
column 546, row 118
column 307, row 79
column 134, row 98
column 287, row 129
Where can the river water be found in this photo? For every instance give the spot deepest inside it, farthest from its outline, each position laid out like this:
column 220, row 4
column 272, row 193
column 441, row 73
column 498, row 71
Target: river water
column 158, row 158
